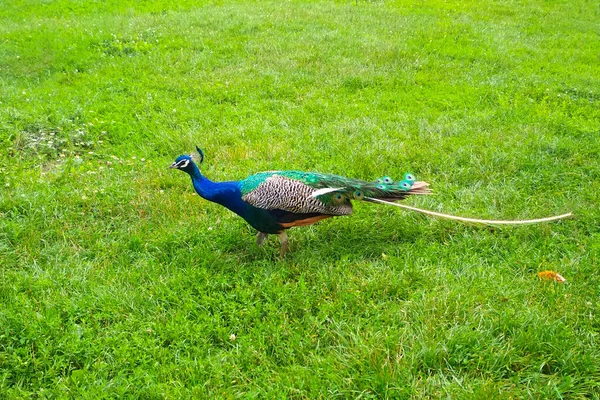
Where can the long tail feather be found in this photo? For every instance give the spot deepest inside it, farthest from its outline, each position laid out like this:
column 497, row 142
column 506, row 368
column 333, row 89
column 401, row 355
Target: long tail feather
column 474, row 220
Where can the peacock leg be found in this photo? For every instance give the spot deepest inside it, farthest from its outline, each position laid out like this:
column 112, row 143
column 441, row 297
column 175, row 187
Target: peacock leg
column 283, row 239
column 261, row 238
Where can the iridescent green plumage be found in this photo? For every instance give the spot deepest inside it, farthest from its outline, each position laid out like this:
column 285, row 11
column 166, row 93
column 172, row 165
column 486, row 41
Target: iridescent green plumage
column 330, row 190
column 313, row 179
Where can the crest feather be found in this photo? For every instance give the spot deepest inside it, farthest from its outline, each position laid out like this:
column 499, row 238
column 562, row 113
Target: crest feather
column 197, row 157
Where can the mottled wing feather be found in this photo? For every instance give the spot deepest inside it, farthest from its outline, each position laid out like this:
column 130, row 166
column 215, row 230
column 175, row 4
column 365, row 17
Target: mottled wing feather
column 284, row 193
column 251, row 183
column 312, row 179
column 312, row 192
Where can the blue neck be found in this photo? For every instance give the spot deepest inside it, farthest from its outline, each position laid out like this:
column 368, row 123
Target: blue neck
column 204, row 187
column 226, row 194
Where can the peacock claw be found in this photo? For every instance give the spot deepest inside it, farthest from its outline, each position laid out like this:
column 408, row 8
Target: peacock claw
column 260, row 238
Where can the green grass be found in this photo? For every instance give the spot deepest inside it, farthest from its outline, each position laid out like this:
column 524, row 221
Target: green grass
column 117, row 280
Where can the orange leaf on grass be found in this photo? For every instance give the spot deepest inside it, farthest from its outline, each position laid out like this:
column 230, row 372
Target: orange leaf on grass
column 551, row 276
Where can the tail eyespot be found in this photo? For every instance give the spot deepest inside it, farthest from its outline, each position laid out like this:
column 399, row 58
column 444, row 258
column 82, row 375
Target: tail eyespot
column 404, row 185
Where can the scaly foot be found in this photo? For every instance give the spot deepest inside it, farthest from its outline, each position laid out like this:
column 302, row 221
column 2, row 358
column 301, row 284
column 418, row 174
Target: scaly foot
column 283, row 239
column 260, row 238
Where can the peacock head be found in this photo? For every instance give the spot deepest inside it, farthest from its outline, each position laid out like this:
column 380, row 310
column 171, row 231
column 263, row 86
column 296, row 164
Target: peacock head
column 186, row 163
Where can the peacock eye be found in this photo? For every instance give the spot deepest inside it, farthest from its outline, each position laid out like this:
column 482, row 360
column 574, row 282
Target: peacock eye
column 404, row 185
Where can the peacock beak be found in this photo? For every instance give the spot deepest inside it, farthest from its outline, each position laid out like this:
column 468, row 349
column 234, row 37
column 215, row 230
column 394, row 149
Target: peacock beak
column 174, row 165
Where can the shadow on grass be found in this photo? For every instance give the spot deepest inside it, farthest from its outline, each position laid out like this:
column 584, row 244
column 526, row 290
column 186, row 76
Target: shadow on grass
column 327, row 243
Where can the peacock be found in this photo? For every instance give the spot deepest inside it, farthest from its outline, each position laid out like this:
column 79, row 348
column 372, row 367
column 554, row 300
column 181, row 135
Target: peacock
column 274, row 201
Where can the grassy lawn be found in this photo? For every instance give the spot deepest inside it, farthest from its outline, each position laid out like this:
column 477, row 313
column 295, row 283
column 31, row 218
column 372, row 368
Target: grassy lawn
column 116, row 280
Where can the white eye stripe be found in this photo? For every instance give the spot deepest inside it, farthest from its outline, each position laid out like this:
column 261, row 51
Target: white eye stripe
column 183, row 163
